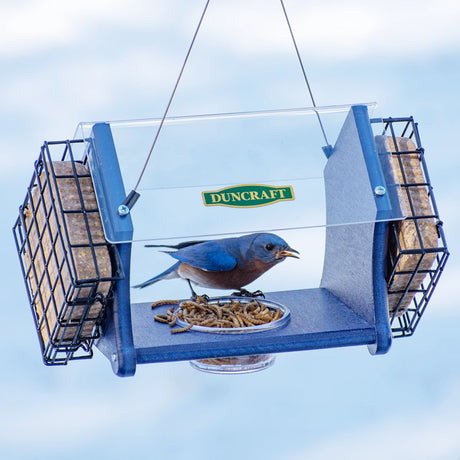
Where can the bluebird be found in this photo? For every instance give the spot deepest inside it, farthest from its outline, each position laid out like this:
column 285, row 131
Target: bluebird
column 228, row 263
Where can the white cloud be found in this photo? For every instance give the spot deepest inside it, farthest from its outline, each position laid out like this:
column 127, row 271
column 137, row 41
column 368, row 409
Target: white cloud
column 325, row 30
column 38, row 25
column 335, row 29
column 423, row 435
column 34, row 25
column 46, row 415
column 394, row 28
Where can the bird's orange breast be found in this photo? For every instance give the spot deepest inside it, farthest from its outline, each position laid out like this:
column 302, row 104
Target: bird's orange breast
column 232, row 279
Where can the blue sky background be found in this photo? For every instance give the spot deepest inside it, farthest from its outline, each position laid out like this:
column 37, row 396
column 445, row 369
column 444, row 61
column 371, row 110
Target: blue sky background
column 67, row 62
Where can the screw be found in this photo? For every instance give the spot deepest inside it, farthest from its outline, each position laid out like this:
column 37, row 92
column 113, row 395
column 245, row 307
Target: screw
column 113, row 357
column 380, row 190
column 123, row 210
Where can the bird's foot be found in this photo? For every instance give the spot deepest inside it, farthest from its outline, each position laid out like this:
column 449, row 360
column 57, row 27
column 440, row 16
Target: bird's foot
column 198, row 298
column 245, row 293
column 195, row 297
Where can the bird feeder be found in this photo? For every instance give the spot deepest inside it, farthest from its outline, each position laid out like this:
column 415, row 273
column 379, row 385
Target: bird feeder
column 368, row 198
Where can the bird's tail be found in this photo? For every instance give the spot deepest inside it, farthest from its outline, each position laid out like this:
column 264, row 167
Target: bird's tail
column 170, row 273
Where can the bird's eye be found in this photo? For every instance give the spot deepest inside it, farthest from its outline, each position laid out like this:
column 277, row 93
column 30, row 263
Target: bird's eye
column 269, row 246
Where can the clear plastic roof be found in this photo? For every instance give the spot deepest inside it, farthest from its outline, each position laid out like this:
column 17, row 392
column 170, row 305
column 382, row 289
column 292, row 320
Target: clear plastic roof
column 226, row 174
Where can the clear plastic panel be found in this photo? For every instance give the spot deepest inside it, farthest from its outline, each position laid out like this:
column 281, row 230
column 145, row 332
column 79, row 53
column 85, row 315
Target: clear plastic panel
column 227, row 174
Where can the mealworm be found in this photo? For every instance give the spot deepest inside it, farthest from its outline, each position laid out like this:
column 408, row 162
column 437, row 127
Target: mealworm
column 189, row 303
column 225, row 323
column 181, row 329
column 208, row 322
column 217, row 310
column 158, row 303
column 173, row 321
column 243, row 319
column 215, row 361
column 161, row 318
column 252, row 320
column 236, row 321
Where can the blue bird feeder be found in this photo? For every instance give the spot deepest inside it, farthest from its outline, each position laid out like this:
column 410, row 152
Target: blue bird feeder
column 368, row 197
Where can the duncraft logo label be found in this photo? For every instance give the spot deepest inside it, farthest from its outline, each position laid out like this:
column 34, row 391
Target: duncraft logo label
column 248, row 196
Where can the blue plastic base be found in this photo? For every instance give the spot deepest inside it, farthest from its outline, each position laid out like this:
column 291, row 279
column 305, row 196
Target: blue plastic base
column 318, row 320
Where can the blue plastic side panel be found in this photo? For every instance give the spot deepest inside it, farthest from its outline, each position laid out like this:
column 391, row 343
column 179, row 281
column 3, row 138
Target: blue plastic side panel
column 355, row 254
column 374, row 167
column 123, row 357
column 382, row 321
column 387, row 208
column 347, row 269
column 117, row 325
column 110, row 192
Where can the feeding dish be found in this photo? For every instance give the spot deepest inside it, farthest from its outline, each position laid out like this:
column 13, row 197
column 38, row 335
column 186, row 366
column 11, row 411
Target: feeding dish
column 226, row 301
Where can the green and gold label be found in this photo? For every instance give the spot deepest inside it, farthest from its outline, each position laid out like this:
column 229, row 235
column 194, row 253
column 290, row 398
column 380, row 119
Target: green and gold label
column 248, row 196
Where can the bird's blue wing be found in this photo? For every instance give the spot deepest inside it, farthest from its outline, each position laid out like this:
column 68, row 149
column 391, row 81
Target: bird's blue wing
column 211, row 256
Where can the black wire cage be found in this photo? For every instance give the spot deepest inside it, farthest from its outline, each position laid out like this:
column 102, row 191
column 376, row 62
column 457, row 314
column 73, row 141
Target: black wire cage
column 417, row 249
column 68, row 267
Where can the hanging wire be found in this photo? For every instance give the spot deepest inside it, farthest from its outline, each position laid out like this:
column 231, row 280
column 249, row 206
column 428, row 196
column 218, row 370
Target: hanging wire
column 303, row 71
column 132, row 197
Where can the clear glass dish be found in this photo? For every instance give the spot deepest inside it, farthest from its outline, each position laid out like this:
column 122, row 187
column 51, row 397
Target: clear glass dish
column 285, row 315
column 239, row 364
column 234, row 364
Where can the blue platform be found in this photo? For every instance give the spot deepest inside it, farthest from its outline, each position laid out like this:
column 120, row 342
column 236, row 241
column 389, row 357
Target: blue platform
column 318, row 319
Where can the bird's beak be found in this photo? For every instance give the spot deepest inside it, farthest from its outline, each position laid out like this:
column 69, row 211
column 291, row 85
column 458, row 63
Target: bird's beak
column 287, row 252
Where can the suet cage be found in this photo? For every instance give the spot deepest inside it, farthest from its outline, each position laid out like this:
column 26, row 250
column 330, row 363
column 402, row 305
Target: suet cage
column 68, row 267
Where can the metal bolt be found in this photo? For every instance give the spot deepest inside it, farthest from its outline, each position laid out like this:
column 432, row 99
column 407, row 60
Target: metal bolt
column 113, row 357
column 123, row 210
column 380, row 190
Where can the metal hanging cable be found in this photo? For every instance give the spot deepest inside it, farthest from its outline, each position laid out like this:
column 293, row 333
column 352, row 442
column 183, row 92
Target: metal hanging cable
column 133, row 196
column 303, row 70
